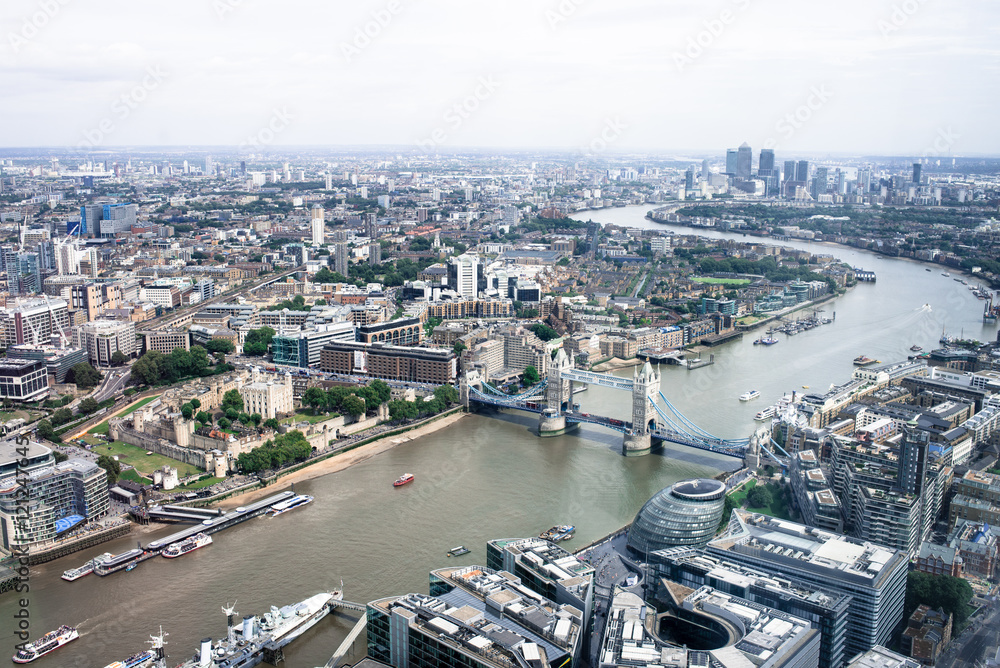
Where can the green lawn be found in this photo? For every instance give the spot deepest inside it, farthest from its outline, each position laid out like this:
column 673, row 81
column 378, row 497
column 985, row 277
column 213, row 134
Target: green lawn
column 143, row 463
column 103, row 427
column 741, row 496
column 199, row 484
column 778, row 507
column 721, row 281
column 130, row 474
column 307, row 416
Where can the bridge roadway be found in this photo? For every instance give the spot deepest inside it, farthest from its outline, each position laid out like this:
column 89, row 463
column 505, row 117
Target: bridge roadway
column 230, row 519
column 602, row 379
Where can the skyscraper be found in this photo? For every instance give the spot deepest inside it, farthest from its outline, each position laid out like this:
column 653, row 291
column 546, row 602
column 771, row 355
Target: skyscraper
column 916, row 173
column 341, row 258
column 374, row 253
column 789, row 170
column 689, row 179
column 318, row 225
column 766, row 167
column 731, row 162
column 802, row 171
column 704, row 169
column 864, row 180
column 819, row 183
column 744, row 161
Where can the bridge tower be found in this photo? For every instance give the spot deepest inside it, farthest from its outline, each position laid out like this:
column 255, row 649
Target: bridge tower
column 645, row 387
column 558, row 394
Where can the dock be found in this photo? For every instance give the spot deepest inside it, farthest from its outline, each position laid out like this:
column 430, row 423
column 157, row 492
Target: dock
column 221, row 522
column 699, row 363
column 172, row 513
column 351, row 638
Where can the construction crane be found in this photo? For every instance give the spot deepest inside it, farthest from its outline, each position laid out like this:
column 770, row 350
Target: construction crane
column 52, row 316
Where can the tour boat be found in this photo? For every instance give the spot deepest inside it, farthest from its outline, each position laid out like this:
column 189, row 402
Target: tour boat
column 403, row 479
column 86, row 569
column 290, row 504
column 187, row 545
column 52, row 640
column 749, row 396
column 765, row 414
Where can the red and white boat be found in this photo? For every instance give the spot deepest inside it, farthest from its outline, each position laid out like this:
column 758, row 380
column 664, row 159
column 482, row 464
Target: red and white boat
column 403, row 479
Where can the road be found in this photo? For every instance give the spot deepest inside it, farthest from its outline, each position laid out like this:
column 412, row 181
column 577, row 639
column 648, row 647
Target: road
column 967, row 649
column 114, row 381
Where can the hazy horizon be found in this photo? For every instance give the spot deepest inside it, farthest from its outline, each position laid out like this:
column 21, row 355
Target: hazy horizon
column 906, row 78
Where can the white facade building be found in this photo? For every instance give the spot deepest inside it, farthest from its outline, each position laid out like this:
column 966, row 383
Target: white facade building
column 267, row 397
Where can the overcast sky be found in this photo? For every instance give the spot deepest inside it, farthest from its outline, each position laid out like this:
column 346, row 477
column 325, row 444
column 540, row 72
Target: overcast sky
column 904, row 77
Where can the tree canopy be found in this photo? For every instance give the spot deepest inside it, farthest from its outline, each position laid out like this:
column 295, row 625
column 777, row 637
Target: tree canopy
column 257, row 341
column 939, row 591
column 84, row 375
column 283, row 450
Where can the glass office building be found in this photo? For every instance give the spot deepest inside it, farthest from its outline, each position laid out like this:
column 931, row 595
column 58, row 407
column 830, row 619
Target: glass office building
column 687, row 513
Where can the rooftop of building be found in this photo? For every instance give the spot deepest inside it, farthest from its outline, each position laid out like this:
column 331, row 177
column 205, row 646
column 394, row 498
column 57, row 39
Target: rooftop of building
column 491, row 614
column 756, row 633
column 553, row 560
column 11, row 451
column 822, row 552
column 880, row 657
column 16, row 363
column 744, row 576
column 982, row 478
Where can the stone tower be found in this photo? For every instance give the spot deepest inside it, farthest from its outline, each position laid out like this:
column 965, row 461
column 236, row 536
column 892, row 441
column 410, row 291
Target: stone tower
column 645, row 387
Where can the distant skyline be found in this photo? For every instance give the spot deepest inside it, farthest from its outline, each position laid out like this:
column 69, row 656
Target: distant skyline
column 899, row 77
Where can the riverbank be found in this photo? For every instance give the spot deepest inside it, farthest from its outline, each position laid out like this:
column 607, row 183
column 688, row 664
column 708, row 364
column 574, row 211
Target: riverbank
column 343, row 460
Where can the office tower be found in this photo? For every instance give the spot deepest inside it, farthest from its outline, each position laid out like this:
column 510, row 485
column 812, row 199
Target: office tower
column 731, row 161
column 67, row 260
column 92, row 259
column 243, row 167
column 209, row 165
column 8, row 260
column 704, row 169
column 375, row 253
column 689, row 179
column 744, row 161
column 802, row 171
column 874, row 576
column 186, row 168
column 819, row 183
column 341, row 258
column 916, row 173
column 864, row 180
column 29, row 275
column 90, row 219
column 465, row 273
column 117, row 219
column 46, row 256
column 318, row 225
column 766, row 167
column 841, row 182
column 205, row 288
column 789, row 171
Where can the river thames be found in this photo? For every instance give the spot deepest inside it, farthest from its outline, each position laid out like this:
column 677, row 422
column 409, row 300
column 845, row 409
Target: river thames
column 482, row 478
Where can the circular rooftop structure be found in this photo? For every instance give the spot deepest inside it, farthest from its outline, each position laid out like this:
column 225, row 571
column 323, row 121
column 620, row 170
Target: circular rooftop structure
column 685, row 514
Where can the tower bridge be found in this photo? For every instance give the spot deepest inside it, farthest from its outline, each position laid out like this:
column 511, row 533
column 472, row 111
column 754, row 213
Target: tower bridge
column 650, row 425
